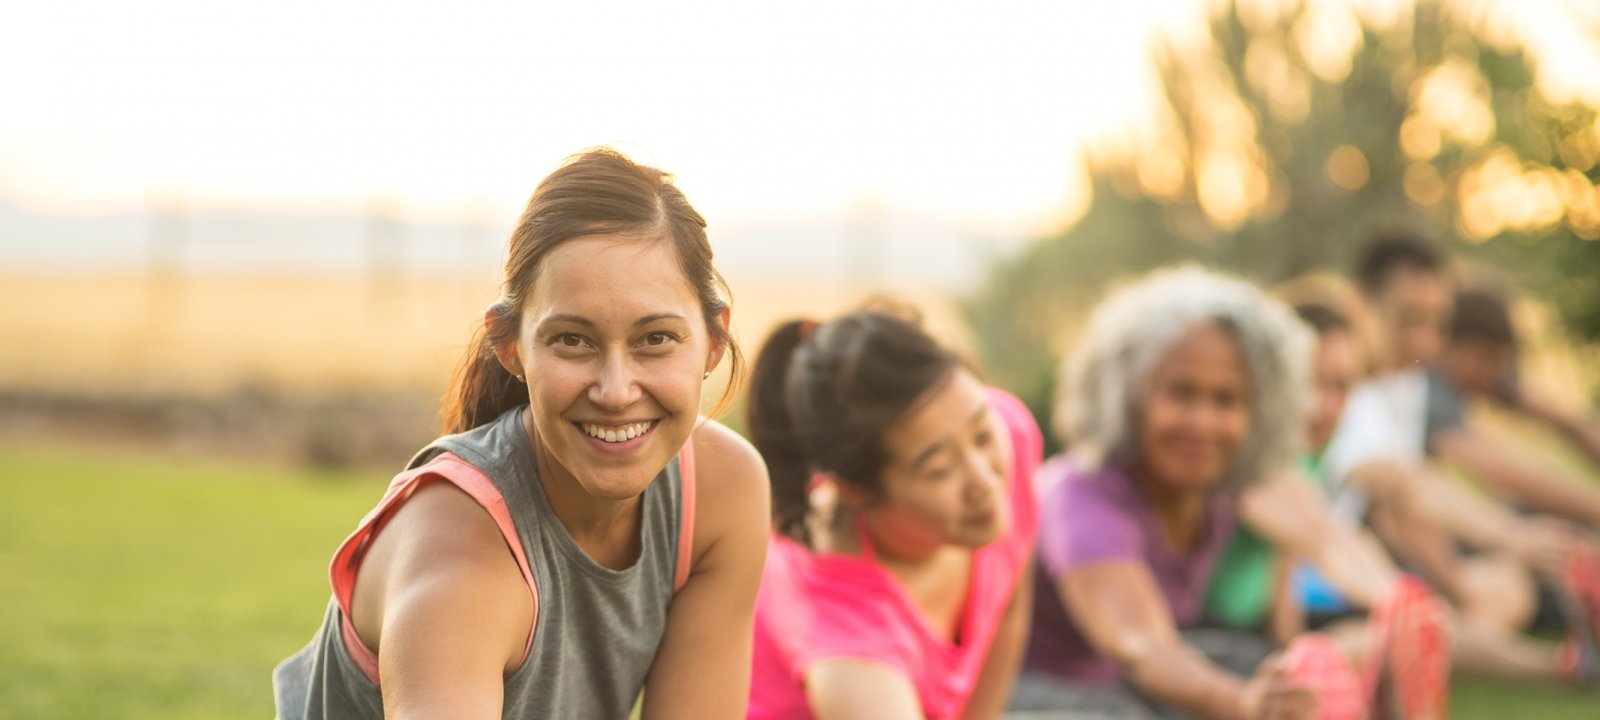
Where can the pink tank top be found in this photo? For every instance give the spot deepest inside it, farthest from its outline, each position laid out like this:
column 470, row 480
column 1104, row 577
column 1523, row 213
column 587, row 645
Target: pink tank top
column 815, row 607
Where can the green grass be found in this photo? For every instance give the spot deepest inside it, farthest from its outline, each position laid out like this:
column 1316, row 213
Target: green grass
column 135, row 587
column 141, row 588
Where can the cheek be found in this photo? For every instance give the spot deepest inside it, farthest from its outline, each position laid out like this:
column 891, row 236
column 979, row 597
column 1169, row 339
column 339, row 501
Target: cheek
column 927, row 508
column 1237, row 425
column 553, row 381
column 1156, row 417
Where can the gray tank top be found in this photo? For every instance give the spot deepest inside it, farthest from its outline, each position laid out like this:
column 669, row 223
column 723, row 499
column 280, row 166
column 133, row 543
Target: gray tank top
column 596, row 630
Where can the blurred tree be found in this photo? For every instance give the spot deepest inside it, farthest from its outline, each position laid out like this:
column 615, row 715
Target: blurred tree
column 1293, row 130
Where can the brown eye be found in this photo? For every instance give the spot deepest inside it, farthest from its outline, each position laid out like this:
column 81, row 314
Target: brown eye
column 657, row 339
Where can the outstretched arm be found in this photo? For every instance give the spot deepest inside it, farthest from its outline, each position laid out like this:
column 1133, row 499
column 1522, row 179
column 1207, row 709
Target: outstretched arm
column 1507, row 475
column 702, row 669
column 1580, row 430
column 1005, row 653
column 1122, row 613
column 1290, row 512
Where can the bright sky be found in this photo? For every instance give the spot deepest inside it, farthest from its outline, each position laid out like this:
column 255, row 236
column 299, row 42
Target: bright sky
column 967, row 111
column 972, row 114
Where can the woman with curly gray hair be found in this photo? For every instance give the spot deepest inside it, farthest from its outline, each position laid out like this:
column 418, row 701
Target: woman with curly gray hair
column 1187, row 389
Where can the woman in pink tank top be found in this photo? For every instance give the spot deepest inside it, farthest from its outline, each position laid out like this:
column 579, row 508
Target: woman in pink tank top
column 895, row 584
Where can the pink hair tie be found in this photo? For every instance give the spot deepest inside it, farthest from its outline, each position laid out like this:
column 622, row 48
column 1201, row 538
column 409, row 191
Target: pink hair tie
column 806, row 326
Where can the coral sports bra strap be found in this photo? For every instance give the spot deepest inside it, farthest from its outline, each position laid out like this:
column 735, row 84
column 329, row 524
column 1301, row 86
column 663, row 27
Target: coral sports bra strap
column 447, row 467
column 686, row 527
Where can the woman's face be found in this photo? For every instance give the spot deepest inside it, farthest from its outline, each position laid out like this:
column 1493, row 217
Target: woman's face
column 949, row 469
column 1194, row 412
column 614, row 345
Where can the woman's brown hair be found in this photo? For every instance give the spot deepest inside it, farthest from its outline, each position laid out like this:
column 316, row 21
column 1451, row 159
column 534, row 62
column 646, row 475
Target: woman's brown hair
column 597, row 192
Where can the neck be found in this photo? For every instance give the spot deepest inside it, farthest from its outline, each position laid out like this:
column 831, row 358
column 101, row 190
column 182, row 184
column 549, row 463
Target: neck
column 1179, row 511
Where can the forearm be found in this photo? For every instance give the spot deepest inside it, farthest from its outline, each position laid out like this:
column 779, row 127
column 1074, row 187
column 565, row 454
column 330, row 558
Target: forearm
column 1180, row 676
column 1478, row 521
column 1005, row 654
column 1287, row 618
column 1585, row 433
column 1356, row 564
column 1551, row 491
column 1429, row 551
column 1580, row 430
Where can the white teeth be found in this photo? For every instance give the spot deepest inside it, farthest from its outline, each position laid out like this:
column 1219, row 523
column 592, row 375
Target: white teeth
column 615, row 435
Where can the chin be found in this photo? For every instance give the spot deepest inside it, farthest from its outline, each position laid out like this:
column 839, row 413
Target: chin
column 616, row 485
column 977, row 537
column 977, row 540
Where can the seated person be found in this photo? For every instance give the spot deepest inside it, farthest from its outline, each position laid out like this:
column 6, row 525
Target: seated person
column 1479, row 361
column 1347, row 570
column 897, row 580
column 1187, row 390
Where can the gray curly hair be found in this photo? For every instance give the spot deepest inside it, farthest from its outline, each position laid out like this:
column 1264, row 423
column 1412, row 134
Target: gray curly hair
column 1129, row 332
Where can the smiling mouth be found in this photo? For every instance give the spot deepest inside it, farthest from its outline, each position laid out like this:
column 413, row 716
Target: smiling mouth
column 616, row 433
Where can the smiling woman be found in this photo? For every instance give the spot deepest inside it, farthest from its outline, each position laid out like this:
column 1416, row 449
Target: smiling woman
column 547, row 558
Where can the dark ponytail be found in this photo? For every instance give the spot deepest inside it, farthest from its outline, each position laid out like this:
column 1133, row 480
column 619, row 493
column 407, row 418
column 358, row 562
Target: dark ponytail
column 772, row 432
column 821, row 397
column 597, row 192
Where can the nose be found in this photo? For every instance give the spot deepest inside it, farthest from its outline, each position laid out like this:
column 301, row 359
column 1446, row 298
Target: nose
column 615, row 388
column 1201, row 416
column 984, row 477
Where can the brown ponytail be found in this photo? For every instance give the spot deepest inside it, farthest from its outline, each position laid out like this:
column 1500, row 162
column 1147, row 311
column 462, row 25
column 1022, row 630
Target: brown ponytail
column 597, row 192
column 481, row 389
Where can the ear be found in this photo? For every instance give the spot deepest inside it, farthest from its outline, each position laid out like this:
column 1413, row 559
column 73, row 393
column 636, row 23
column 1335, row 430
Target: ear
column 720, row 348
column 506, row 352
column 849, row 495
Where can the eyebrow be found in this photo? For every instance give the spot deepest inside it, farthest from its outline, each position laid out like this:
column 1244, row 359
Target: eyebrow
column 586, row 322
column 928, row 453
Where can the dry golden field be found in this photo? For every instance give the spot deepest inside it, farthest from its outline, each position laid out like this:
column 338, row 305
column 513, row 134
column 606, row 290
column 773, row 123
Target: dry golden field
column 211, row 335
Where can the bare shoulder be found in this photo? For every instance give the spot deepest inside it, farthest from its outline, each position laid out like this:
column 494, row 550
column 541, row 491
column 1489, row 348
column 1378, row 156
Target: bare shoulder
column 441, row 551
column 725, row 462
column 441, row 522
column 725, row 456
column 732, row 493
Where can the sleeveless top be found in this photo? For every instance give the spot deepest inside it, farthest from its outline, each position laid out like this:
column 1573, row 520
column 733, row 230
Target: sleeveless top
column 595, row 630
column 813, row 607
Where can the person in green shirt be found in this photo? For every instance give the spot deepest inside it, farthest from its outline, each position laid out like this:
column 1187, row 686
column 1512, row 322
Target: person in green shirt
column 1289, row 556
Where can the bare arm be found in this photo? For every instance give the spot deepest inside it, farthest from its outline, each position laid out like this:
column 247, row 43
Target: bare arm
column 1291, row 514
column 1005, row 654
column 1286, row 618
column 702, row 669
column 1581, row 431
column 860, row 690
column 1539, row 486
column 442, row 601
column 1123, row 615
